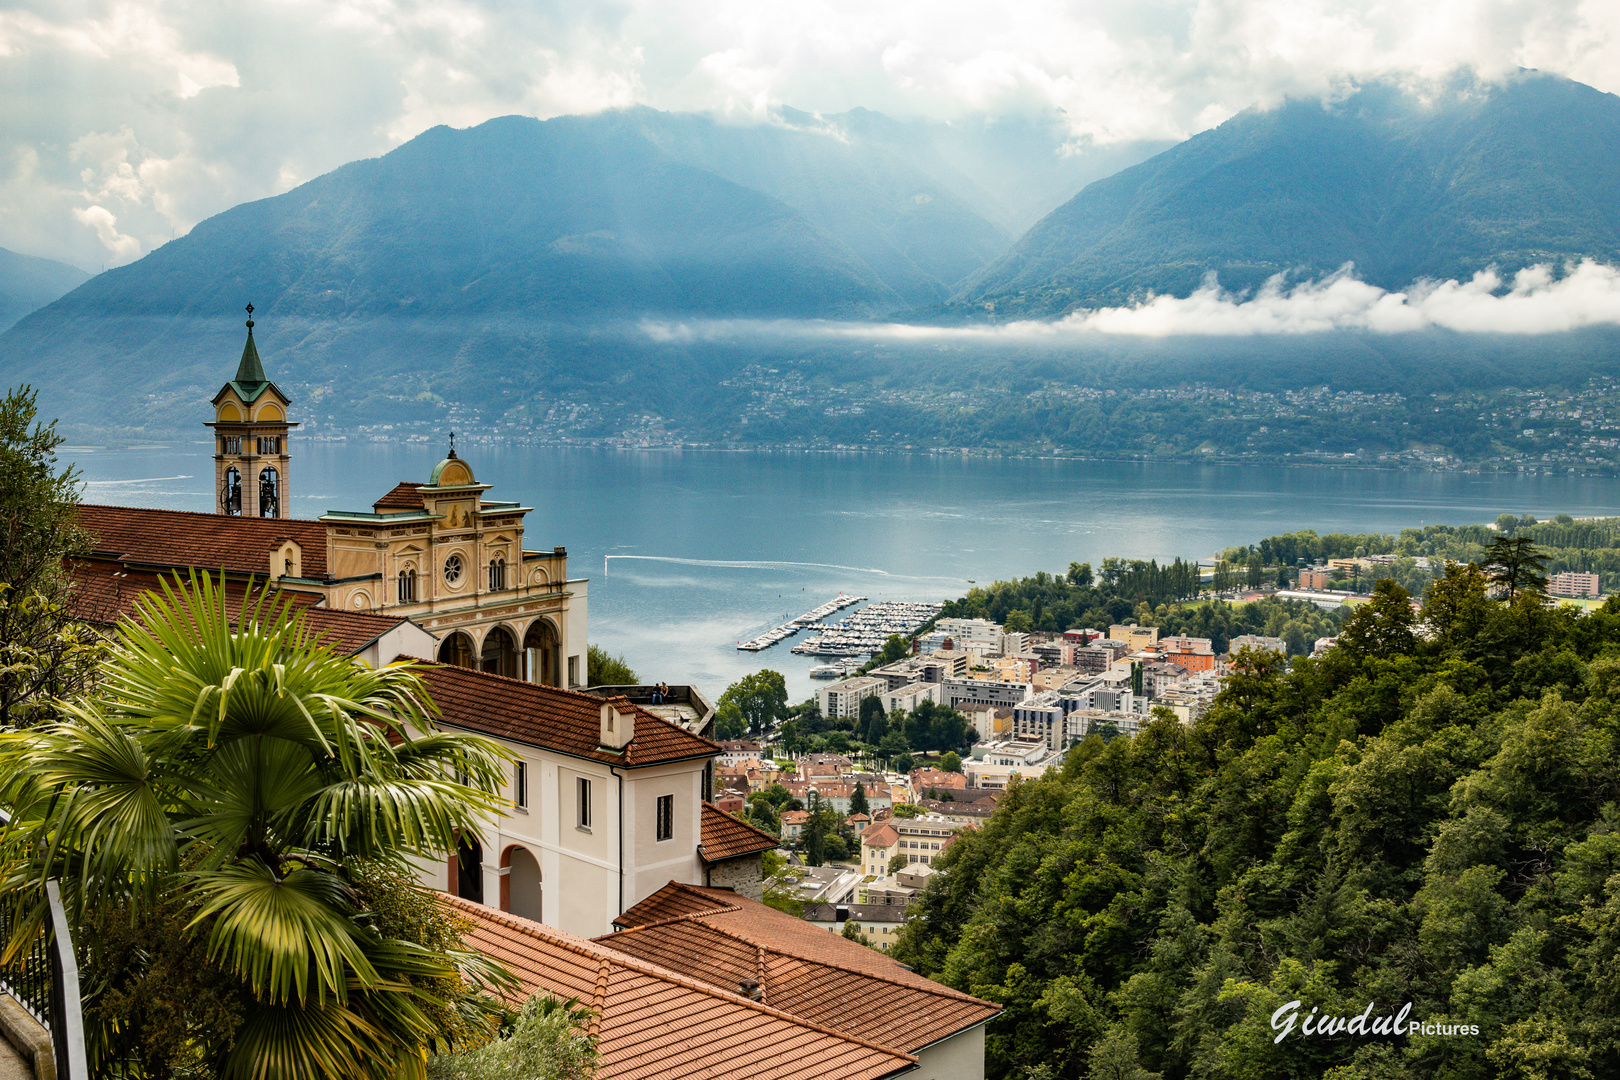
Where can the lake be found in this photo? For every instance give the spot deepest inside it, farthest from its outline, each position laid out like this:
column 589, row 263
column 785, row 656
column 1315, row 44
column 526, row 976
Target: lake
column 690, row 552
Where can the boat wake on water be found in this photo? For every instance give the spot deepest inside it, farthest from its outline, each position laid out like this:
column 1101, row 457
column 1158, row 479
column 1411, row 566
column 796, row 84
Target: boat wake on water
column 745, row 564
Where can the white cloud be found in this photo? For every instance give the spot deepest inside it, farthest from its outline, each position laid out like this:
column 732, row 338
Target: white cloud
column 105, row 225
column 1535, row 301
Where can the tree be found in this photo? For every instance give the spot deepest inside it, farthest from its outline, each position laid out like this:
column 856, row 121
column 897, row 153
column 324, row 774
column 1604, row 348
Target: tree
column 549, row 1041
column 1080, row 575
column 857, row 799
column 730, row 723
column 604, row 670
column 230, row 766
column 1018, row 622
column 894, row 649
column 1282, row 577
column 1514, row 564
column 1455, row 605
column 898, row 863
column 44, row 653
column 871, row 724
column 761, row 698
column 1382, row 627
column 903, row 763
column 951, row 762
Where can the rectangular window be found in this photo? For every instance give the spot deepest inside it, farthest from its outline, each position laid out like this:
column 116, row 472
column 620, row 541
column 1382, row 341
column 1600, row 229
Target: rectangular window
column 520, row 785
column 666, row 817
column 573, row 671
column 583, row 786
column 269, row 444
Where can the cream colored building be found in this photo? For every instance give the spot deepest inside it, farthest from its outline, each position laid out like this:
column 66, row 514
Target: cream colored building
column 438, row 552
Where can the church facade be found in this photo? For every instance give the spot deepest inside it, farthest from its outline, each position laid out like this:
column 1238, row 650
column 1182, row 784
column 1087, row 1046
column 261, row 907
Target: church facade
column 438, row 552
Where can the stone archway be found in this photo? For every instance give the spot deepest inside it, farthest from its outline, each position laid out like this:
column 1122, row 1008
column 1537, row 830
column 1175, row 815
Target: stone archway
column 457, row 650
column 498, row 655
column 521, row 892
column 540, row 652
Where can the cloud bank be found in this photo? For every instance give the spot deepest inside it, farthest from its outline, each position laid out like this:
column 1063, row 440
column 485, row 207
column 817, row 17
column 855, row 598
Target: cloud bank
column 1536, row 300
column 128, row 121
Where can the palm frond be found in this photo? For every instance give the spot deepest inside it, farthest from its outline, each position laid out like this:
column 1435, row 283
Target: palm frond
column 288, row 937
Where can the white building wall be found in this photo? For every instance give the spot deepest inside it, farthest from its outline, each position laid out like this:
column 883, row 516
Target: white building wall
column 960, row 1057
column 573, row 642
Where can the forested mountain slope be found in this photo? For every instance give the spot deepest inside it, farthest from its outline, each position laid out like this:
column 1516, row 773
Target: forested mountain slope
column 1433, row 821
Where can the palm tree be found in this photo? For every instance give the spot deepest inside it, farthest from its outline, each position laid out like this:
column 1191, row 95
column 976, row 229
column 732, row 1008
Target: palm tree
column 232, row 764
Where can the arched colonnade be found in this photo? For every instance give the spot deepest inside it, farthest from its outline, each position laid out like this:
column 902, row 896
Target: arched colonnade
column 496, row 649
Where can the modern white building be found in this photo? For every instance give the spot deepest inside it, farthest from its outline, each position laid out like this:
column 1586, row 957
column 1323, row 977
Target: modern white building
column 843, row 698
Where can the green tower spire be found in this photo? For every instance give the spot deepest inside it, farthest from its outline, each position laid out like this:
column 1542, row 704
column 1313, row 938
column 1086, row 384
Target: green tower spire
column 250, row 378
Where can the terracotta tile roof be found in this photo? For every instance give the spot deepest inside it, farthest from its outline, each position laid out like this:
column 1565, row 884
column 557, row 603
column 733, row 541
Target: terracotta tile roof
column 726, row 837
column 654, row 1022
column 806, row 971
column 556, row 719
column 104, row 592
column 404, row 496
column 180, row 538
column 880, row 834
column 937, row 778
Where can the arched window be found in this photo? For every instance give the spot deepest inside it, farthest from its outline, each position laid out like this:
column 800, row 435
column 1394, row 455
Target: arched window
column 269, row 493
column 457, row 651
column 497, row 573
column 230, row 492
column 407, row 586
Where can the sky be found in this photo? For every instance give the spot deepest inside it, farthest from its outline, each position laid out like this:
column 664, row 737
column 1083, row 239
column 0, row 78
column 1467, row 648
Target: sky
column 128, row 121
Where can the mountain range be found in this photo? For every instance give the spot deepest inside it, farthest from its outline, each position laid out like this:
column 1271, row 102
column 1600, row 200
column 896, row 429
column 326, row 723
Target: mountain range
column 28, row 283
column 504, row 253
column 1404, row 185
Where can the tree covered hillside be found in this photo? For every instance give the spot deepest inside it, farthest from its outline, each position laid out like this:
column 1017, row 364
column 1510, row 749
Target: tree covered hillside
column 1428, row 814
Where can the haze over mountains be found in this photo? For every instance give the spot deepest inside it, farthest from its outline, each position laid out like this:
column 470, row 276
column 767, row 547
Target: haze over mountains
column 28, row 283
column 1405, row 188
column 510, row 253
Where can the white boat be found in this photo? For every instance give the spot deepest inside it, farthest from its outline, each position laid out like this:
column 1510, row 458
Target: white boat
column 825, row 671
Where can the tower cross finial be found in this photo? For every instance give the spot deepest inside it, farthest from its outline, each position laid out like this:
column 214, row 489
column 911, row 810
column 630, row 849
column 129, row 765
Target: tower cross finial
column 250, row 316
column 452, row 444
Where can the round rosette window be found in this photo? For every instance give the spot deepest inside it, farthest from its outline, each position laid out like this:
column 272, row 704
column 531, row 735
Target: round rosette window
column 453, row 569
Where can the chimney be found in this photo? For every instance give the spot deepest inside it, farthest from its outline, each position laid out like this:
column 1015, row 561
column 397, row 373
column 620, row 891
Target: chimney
column 750, row 989
column 618, row 728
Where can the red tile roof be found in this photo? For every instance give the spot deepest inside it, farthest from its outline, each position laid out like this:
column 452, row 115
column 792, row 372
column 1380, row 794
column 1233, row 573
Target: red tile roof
column 653, row 1022
column 880, row 834
column 806, row 971
column 403, row 496
column 179, row 538
column 727, row 837
column 104, row 592
column 556, row 719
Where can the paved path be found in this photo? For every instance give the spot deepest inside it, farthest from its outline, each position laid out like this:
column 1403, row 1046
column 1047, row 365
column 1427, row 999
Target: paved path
column 12, row 1066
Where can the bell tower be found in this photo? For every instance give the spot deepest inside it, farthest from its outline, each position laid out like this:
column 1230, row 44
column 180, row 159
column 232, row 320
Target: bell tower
column 251, row 461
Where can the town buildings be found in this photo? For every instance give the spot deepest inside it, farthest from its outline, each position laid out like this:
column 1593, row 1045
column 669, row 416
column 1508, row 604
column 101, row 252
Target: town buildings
column 1573, row 583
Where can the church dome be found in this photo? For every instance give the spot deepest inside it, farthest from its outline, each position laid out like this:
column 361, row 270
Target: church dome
column 451, row 472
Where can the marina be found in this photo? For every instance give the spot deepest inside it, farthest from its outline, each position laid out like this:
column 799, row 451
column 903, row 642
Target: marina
column 865, row 631
column 840, row 669
column 778, row 634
